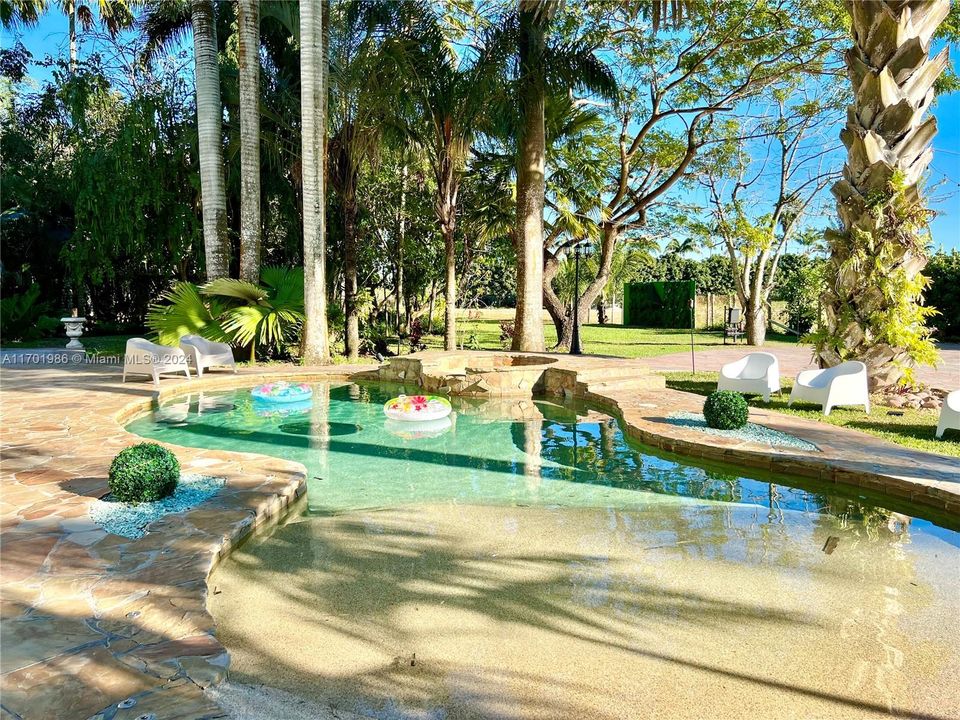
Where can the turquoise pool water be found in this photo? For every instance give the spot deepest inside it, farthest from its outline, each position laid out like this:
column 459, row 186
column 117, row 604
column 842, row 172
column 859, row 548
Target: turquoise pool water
column 518, row 453
column 527, row 563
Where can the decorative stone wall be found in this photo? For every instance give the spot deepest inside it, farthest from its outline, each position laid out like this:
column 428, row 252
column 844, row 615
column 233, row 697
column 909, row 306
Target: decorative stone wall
column 492, row 375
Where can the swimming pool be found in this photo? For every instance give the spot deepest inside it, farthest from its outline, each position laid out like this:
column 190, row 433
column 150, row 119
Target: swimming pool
column 530, row 562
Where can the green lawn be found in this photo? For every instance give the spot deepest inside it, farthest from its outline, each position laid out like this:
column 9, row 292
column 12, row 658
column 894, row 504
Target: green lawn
column 612, row 340
column 914, row 428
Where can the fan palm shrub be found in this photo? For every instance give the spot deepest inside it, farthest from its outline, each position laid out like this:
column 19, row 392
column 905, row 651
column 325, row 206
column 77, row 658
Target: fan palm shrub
column 268, row 315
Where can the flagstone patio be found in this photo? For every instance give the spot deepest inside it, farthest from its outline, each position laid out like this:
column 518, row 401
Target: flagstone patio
column 91, row 619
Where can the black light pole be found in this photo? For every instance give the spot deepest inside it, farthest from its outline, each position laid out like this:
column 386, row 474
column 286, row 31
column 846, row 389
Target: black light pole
column 575, row 348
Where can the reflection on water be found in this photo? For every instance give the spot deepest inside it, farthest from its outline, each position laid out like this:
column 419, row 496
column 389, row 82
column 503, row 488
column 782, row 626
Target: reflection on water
column 505, row 453
column 526, row 562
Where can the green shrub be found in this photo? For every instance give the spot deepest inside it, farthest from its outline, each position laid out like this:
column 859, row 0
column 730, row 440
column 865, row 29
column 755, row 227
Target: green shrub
column 144, row 473
column 944, row 293
column 23, row 316
column 725, row 410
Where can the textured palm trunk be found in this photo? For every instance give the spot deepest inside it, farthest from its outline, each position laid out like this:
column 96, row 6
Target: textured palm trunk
column 401, row 240
column 210, row 140
column 531, row 164
column 871, row 303
column 351, row 335
column 448, row 190
column 450, row 286
column 312, row 90
column 248, row 22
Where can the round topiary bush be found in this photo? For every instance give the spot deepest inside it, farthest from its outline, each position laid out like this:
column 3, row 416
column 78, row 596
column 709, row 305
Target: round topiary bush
column 144, row 473
column 725, row 410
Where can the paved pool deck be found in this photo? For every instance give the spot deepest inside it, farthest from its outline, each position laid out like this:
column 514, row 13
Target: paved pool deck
column 90, row 619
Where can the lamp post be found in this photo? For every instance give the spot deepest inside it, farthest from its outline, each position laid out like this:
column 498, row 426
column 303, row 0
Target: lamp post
column 575, row 348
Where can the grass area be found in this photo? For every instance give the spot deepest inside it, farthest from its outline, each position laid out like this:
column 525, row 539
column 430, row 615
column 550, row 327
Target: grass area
column 93, row 344
column 913, row 429
column 484, row 334
column 615, row 340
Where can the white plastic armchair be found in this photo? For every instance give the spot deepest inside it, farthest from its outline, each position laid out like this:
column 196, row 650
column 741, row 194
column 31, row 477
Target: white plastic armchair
column 143, row 357
column 949, row 414
column 845, row 384
column 757, row 373
column 203, row 353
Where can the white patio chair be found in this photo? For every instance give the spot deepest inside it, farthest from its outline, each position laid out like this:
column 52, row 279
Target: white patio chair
column 143, row 357
column 949, row 414
column 757, row 373
column 845, row 384
column 203, row 354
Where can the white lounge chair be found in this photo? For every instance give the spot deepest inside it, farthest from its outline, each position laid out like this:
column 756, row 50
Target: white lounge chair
column 203, row 354
column 845, row 384
column 143, row 357
column 757, row 373
column 949, row 414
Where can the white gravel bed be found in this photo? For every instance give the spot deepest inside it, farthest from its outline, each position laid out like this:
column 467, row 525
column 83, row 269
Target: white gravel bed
column 131, row 519
column 750, row 431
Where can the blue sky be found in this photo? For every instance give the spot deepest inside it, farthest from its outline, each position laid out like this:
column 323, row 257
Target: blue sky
column 943, row 186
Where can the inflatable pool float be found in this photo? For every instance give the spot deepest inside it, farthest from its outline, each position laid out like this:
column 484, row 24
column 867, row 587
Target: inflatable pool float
column 282, row 392
column 418, row 430
column 417, row 408
column 268, row 409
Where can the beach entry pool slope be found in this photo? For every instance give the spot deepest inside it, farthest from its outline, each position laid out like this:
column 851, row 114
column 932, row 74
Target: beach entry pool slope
column 528, row 563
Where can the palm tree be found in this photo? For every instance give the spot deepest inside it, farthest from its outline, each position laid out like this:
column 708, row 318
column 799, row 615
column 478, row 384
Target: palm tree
column 534, row 16
column 359, row 97
column 871, row 308
column 248, row 60
column 555, row 68
column 210, row 139
column 452, row 94
column 114, row 16
column 313, row 61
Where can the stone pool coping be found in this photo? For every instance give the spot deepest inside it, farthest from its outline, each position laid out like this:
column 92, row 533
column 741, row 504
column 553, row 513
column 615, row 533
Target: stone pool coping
column 90, row 619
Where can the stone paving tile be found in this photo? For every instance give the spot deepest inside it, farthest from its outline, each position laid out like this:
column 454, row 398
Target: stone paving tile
column 88, row 619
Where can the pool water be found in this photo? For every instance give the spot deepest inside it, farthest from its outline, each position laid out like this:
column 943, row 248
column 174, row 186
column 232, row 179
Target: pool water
column 528, row 561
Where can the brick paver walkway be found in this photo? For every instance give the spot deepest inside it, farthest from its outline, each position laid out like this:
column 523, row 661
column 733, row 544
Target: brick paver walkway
column 88, row 619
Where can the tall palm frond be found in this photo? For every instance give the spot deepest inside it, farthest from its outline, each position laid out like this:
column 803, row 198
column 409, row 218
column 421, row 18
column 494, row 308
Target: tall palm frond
column 165, row 25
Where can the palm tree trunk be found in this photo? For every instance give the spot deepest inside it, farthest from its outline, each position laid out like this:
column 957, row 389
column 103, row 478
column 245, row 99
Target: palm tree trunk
column 871, row 308
column 351, row 335
column 248, row 51
column 448, row 189
column 401, row 237
column 210, row 139
column 312, row 90
column 528, row 233
column 433, row 305
column 450, row 288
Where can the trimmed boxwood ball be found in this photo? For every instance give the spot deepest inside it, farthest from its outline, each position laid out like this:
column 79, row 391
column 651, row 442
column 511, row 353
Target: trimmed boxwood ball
column 144, row 473
column 725, row 410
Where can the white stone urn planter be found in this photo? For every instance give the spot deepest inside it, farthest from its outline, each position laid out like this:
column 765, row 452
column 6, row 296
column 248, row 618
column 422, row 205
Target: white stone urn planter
column 74, row 326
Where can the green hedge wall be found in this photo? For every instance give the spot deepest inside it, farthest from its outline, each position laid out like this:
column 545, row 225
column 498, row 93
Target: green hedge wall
column 658, row 304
